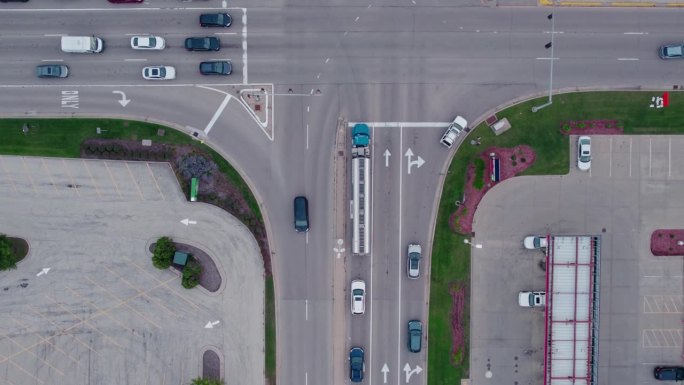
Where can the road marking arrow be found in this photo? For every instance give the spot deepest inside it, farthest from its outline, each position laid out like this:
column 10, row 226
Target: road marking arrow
column 408, row 372
column 386, row 154
column 44, row 271
column 187, row 221
column 419, row 162
column 211, row 324
column 384, row 371
column 123, row 100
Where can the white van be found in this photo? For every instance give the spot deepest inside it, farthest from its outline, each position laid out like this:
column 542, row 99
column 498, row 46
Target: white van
column 82, row 44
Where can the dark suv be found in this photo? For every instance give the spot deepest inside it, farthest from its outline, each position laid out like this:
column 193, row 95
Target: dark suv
column 415, row 336
column 301, row 214
column 215, row 20
column 669, row 373
column 202, row 44
column 215, row 68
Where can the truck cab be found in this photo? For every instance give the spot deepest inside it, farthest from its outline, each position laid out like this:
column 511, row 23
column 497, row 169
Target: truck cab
column 360, row 135
column 453, row 131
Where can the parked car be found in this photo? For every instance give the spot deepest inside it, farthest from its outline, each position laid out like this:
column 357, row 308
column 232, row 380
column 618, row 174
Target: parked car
column 532, row 298
column 216, row 67
column 535, row 242
column 669, row 373
column 674, row 51
column 52, row 71
column 453, row 131
column 301, row 214
column 148, row 42
column 202, row 44
column 584, row 153
column 415, row 336
column 356, row 365
column 215, row 20
column 159, row 73
column 413, row 261
column 358, row 296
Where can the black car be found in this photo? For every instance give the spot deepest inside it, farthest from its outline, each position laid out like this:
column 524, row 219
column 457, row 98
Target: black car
column 669, row 373
column 215, row 20
column 301, row 214
column 52, row 71
column 356, row 364
column 215, row 68
column 202, row 44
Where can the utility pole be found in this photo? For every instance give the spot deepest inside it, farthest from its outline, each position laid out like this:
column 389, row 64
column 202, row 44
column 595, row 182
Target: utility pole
column 547, row 46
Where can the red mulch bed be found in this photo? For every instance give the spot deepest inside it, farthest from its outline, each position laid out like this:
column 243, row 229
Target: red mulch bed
column 664, row 242
column 512, row 162
column 588, row 127
column 458, row 336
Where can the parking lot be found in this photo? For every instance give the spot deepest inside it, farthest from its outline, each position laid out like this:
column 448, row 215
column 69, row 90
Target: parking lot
column 635, row 186
column 103, row 314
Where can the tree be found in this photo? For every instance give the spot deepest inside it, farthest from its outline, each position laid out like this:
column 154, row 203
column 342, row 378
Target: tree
column 207, row 381
column 191, row 274
column 163, row 253
column 7, row 259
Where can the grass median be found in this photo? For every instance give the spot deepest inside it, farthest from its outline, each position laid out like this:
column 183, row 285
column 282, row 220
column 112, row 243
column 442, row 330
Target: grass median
column 543, row 132
column 62, row 138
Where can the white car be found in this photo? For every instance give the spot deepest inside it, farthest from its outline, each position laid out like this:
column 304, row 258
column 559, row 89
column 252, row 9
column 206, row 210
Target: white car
column 148, row 42
column 584, row 153
column 534, row 242
column 413, row 261
column 358, row 296
column 455, row 128
column 159, row 73
column 532, row 298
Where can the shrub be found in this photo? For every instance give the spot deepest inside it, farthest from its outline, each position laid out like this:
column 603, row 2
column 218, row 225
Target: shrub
column 7, row 259
column 195, row 166
column 191, row 274
column 163, row 253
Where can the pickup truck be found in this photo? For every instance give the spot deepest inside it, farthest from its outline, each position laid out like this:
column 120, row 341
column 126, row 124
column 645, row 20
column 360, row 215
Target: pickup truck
column 459, row 124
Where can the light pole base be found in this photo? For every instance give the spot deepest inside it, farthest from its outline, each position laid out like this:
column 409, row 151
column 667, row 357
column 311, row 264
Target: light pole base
column 537, row 108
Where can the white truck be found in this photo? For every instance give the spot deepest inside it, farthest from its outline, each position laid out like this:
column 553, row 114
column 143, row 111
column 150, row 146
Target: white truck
column 453, row 131
column 532, row 298
column 82, row 44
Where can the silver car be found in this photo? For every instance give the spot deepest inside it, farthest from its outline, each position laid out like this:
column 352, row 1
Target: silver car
column 675, row 51
column 584, row 153
column 413, row 261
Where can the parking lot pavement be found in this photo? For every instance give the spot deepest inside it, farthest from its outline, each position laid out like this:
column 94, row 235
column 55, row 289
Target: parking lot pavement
column 103, row 314
column 635, row 186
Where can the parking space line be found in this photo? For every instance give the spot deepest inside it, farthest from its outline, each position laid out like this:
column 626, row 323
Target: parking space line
column 172, row 291
column 61, row 331
column 49, row 174
column 142, row 196
column 664, row 338
column 7, row 174
column 73, row 182
column 111, row 176
column 29, row 351
column 84, row 321
column 155, row 180
column 32, row 330
column 28, row 174
column 123, row 302
column 24, row 370
column 142, row 293
column 97, row 190
column 92, row 305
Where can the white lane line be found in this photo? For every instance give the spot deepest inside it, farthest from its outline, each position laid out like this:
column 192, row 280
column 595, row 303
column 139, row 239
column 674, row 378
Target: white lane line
column 636, row 33
column 137, row 34
column 630, row 157
column 308, row 108
column 650, row 142
column 610, row 162
column 54, row 34
column 669, row 157
column 245, row 78
column 225, row 33
column 399, row 254
column 306, row 309
column 547, row 58
column 307, row 136
column 135, row 59
column 402, row 124
column 306, row 378
column 218, row 113
column 554, row 32
column 628, row 58
column 327, row 60
column 52, row 60
column 370, row 247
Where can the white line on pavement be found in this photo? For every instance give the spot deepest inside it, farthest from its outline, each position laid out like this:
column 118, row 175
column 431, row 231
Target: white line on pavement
column 610, row 154
column 54, row 34
column 669, row 156
column 628, row 58
column 636, row 33
column 650, row 142
column 225, row 33
column 307, row 136
column 402, row 124
column 370, row 247
column 306, row 378
column 135, row 59
column 547, row 58
column 399, row 254
column 630, row 157
column 218, row 113
column 555, row 32
column 306, row 309
column 52, row 60
column 245, row 78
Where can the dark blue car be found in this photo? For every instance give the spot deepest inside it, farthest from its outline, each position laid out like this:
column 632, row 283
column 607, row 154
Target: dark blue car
column 356, row 364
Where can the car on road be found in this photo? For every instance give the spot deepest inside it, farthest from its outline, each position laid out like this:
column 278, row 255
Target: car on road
column 219, row 67
column 674, row 51
column 415, row 336
column 669, row 373
column 52, row 71
column 215, row 20
column 356, row 365
column 534, row 242
column 413, row 261
column 159, row 73
column 14, row 1
column 125, row 1
column 532, row 298
column 202, row 44
column 301, row 214
column 148, row 42
column 358, row 296
column 584, row 153
column 453, row 131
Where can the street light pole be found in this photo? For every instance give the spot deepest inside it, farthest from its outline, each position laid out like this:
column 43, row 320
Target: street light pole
column 549, row 45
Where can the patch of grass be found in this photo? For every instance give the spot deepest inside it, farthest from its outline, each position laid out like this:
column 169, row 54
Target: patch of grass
column 270, row 335
column 478, row 183
column 542, row 131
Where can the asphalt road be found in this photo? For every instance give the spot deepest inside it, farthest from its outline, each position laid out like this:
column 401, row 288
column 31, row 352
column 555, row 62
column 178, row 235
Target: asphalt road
column 372, row 61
